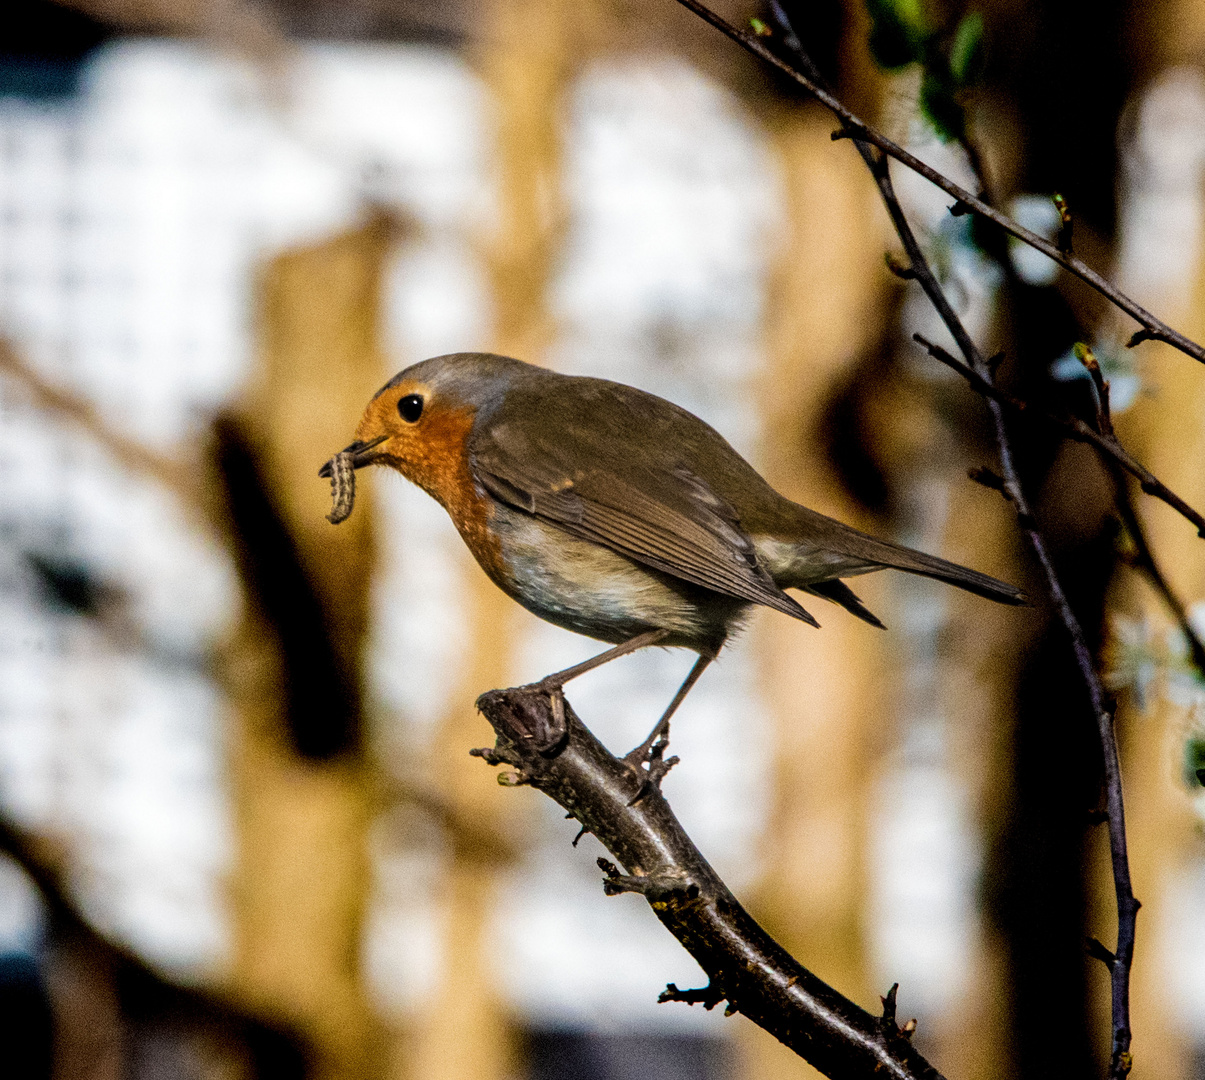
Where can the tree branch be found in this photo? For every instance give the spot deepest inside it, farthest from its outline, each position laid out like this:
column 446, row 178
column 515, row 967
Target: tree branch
column 1104, row 441
column 1144, row 560
column 1127, row 905
column 629, row 815
column 1010, row 486
column 275, row 1048
column 1152, row 328
column 177, row 476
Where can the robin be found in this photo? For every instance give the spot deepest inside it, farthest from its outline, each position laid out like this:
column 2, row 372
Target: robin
column 612, row 512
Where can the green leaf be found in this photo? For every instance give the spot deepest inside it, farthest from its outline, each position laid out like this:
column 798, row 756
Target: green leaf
column 968, row 53
column 939, row 106
column 1194, row 761
column 898, row 33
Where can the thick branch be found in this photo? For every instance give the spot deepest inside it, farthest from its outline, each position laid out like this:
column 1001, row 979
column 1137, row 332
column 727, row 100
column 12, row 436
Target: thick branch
column 744, row 964
column 1153, row 329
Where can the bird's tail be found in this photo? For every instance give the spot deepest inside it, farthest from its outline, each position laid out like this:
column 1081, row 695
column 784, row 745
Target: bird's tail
column 829, row 550
column 917, row 562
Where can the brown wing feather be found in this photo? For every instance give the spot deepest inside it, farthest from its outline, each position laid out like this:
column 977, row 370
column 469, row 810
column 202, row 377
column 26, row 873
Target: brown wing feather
column 685, row 531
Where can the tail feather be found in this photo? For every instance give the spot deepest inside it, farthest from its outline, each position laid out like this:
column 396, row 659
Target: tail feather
column 811, row 552
column 829, row 549
column 839, row 593
column 917, row 562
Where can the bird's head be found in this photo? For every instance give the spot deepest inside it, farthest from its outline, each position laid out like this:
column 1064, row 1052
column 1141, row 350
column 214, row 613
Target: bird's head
column 419, row 422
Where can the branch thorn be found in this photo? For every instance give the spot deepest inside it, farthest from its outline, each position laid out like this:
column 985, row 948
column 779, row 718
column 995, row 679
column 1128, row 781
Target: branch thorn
column 1139, row 336
column 901, row 270
column 988, row 479
column 708, row 996
column 512, row 779
column 493, row 755
column 889, row 1004
column 1098, row 952
column 617, row 883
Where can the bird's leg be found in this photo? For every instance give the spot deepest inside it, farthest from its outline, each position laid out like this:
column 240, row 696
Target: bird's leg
column 558, row 680
column 659, row 737
column 553, row 685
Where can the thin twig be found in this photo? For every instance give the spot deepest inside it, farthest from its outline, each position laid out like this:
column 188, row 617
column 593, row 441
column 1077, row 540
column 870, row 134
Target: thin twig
column 1106, row 443
column 175, row 475
column 744, row 964
column 1127, row 905
column 1144, row 560
column 1153, row 329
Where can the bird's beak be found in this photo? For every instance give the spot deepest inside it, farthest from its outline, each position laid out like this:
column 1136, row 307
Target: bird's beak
column 361, row 455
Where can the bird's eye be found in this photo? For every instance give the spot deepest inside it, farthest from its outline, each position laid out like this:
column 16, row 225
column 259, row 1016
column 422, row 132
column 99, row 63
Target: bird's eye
column 410, row 408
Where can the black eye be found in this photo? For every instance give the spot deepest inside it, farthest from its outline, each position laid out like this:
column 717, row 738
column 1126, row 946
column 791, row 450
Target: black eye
column 410, row 408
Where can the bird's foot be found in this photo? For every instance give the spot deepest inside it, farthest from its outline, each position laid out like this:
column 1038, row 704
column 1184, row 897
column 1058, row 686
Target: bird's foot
column 651, row 752
column 534, row 721
column 557, row 729
column 648, row 762
column 548, row 728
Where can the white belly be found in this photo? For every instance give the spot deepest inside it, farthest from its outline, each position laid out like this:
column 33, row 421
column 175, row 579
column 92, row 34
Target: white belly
column 592, row 590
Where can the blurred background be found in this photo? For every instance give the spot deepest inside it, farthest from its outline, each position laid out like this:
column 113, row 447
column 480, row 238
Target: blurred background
column 242, row 834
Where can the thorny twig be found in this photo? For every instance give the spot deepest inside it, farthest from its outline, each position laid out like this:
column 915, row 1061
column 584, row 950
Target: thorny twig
column 1143, row 557
column 1152, row 328
column 918, row 268
column 1115, row 458
column 1144, row 560
column 1105, row 441
column 1127, row 905
column 744, row 965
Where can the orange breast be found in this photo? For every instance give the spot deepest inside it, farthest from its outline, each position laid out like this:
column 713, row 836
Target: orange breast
column 439, row 464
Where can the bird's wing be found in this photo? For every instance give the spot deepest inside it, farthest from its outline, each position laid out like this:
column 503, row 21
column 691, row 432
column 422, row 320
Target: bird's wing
column 665, row 518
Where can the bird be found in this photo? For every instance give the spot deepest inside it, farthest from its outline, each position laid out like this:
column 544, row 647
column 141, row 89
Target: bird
column 614, row 513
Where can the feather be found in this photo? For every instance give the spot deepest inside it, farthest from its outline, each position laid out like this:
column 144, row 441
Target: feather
column 682, row 528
